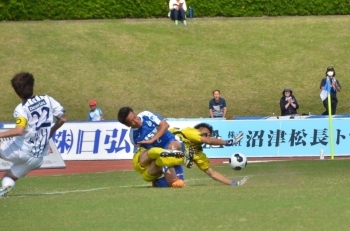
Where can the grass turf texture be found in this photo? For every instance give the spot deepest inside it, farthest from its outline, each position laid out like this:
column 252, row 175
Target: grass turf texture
column 151, row 65
column 288, row 195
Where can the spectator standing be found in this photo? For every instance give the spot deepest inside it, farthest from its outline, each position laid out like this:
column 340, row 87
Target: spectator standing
column 178, row 10
column 217, row 106
column 288, row 103
column 334, row 88
column 95, row 113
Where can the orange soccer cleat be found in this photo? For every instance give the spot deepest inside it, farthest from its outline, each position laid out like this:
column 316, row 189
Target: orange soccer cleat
column 178, row 183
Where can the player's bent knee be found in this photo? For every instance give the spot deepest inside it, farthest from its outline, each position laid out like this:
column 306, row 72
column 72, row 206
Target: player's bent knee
column 135, row 162
column 153, row 169
column 146, row 176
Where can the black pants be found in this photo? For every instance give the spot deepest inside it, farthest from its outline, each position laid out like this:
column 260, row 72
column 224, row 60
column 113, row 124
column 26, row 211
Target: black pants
column 178, row 14
column 334, row 102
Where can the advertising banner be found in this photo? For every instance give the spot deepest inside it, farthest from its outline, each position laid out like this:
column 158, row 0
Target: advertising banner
column 271, row 137
column 94, row 141
column 278, row 138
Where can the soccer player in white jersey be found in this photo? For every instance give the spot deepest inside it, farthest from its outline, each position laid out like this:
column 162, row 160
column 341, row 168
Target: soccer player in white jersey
column 27, row 143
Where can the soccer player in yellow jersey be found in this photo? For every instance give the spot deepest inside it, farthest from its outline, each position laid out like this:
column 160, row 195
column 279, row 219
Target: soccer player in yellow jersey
column 193, row 138
column 149, row 132
column 27, row 143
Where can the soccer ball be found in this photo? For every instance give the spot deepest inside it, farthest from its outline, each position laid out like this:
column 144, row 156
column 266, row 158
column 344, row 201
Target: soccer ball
column 238, row 161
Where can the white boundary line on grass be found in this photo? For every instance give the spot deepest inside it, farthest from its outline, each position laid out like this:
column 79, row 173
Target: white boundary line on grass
column 58, row 192
column 75, row 191
column 130, row 186
column 256, row 161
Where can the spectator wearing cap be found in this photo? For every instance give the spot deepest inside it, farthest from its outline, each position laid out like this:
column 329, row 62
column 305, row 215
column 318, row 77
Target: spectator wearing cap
column 95, row 113
column 217, row 106
column 288, row 103
column 334, row 88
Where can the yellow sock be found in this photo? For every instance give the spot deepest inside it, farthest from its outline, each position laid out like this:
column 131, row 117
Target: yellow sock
column 154, row 153
column 169, row 161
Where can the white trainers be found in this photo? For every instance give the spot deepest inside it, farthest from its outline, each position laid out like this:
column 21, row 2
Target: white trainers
column 4, row 190
column 242, row 182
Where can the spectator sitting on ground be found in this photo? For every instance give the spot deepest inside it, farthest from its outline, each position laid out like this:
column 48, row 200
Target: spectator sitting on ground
column 288, row 103
column 217, row 106
column 178, row 10
column 95, row 113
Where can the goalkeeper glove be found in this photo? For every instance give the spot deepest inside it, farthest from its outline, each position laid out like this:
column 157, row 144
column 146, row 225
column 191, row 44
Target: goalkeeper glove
column 229, row 142
column 234, row 140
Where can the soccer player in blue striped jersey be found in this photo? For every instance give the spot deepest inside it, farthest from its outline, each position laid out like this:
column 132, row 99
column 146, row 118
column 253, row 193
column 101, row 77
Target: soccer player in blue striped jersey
column 27, row 143
column 149, row 132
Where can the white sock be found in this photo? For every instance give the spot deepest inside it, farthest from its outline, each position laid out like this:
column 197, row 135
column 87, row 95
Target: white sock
column 7, row 181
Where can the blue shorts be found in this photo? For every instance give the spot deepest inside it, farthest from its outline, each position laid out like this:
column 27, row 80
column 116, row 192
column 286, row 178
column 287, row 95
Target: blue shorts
column 161, row 182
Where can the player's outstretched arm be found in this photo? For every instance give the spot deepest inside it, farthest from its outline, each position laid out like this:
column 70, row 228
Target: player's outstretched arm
column 59, row 122
column 212, row 141
column 218, row 176
column 215, row 141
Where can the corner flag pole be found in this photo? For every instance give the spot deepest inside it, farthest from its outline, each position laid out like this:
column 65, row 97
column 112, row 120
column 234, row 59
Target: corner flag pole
column 328, row 86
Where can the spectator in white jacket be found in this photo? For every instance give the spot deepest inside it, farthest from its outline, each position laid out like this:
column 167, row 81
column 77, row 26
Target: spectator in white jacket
column 178, row 10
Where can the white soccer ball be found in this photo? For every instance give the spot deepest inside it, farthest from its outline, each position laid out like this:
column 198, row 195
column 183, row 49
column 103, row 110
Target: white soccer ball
column 238, row 161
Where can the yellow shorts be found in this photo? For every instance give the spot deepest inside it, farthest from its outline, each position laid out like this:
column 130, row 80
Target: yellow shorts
column 142, row 169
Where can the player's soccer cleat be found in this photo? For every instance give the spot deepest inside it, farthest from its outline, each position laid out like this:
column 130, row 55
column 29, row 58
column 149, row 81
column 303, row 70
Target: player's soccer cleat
column 4, row 190
column 189, row 155
column 185, row 23
column 178, row 183
column 176, row 22
column 242, row 182
column 172, row 153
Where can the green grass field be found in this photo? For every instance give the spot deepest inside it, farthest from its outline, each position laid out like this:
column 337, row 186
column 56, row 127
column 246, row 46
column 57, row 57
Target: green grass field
column 286, row 195
column 151, row 65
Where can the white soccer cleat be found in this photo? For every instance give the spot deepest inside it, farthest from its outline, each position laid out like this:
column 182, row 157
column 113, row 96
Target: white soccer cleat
column 242, row 182
column 4, row 190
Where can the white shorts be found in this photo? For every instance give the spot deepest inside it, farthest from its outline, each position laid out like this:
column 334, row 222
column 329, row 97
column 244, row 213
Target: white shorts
column 22, row 162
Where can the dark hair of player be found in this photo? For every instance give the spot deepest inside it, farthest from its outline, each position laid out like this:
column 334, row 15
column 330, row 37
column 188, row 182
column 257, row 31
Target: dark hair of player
column 204, row 125
column 23, row 84
column 123, row 113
